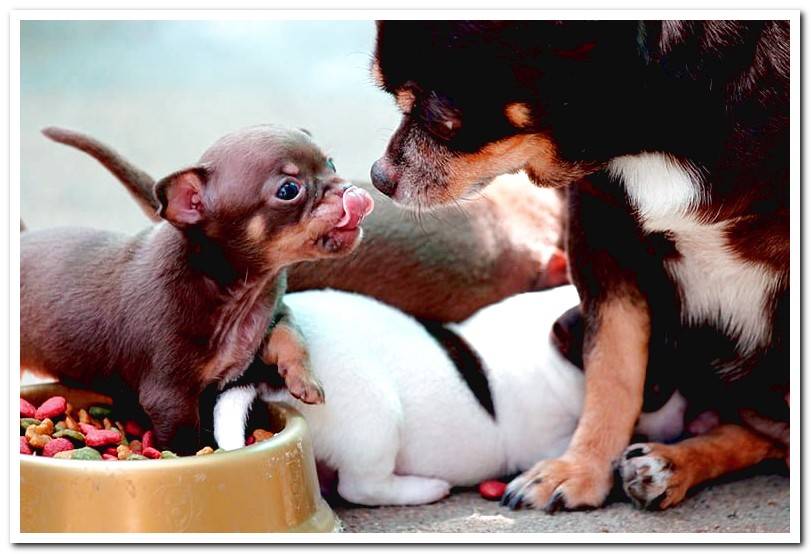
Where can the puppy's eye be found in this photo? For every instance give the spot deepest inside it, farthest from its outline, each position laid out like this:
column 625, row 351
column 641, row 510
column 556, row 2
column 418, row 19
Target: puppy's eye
column 331, row 165
column 288, row 191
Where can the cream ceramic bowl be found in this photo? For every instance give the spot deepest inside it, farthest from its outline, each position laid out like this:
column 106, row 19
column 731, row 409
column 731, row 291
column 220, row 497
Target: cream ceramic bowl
column 270, row 486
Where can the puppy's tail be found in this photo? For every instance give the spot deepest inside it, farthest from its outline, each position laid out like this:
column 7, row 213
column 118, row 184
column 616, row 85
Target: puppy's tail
column 138, row 183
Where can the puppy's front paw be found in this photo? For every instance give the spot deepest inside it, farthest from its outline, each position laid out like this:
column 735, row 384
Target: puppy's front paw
column 566, row 483
column 650, row 477
column 303, row 385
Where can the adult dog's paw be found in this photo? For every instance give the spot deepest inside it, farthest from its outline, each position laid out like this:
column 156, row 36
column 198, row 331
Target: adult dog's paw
column 650, row 476
column 563, row 483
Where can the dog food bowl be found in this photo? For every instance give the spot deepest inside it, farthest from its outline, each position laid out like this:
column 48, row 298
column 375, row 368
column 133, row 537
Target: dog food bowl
column 270, row 486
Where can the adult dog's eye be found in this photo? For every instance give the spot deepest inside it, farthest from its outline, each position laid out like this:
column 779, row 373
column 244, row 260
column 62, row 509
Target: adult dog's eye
column 444, row 129
column 288, row 191
column 331, row 165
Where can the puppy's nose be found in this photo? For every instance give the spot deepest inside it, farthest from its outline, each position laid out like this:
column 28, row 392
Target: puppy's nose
column 382, row 178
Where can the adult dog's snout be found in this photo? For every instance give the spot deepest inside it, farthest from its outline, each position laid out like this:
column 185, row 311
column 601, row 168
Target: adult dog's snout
column 383, row 178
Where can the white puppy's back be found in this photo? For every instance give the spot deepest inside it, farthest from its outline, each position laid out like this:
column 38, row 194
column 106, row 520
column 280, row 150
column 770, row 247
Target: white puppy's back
column 393, row 394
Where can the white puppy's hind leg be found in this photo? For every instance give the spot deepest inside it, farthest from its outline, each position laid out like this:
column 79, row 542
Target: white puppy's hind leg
column 231, row 415
column 371, row 490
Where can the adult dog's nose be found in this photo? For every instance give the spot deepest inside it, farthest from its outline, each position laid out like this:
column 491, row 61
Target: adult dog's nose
column 383, row 178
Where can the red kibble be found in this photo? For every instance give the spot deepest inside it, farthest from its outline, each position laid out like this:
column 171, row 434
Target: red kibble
column 148, row 440
column 87, row 428
column 492, row 490
column 132, row 428
column 102, row 437
column 150, row 452
column 111, row 450
column 56, row 445
column 109, row 457
column 250, row 440
column 27, row 409
column 52, row 408
column 24, row 448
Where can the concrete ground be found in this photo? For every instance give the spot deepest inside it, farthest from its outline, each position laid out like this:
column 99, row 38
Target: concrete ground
column 755, row 504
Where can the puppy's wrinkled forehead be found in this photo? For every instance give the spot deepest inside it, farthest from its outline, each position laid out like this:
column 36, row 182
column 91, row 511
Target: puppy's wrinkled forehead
column 251, row 155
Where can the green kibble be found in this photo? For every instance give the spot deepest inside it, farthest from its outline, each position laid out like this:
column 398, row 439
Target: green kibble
column 59, row 426
column 100, row 412
column 219, row 450
column 85, row 453
column 74, row 436
column 26, row 422
column 168, row 454
column 136, row 457
column 64, row 455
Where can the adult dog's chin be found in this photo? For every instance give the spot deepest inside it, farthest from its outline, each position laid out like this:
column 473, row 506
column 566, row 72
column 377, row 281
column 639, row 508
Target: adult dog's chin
column 426, row 199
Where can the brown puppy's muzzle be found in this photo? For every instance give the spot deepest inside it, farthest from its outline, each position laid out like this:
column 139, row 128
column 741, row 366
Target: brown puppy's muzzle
column 384, row 178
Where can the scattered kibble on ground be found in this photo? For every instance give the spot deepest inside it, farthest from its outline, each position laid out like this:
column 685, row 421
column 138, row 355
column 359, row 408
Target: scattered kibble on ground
column 55, row 430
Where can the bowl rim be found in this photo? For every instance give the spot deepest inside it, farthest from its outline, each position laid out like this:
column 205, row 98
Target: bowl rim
column 292, row 432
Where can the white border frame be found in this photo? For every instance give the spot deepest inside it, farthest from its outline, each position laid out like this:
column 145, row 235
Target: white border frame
column 793, row 536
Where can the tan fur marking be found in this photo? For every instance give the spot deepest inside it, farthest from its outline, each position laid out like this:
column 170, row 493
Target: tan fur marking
column 377, row 75
column 405, row 100
column 504, row 156
column 256, row 228
column 518, row 114
column 615, row 374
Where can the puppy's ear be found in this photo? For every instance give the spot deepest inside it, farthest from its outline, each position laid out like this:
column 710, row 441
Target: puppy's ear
column 180, row 196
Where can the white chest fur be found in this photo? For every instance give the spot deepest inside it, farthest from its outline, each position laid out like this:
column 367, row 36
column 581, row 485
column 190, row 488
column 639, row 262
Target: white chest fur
column 718, row 287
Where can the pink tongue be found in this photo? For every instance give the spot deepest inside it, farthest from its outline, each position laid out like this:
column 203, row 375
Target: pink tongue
column 357, row 205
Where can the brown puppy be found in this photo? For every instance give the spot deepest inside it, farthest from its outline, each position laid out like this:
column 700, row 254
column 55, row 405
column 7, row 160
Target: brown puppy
column 188, row 302
column 676, row 135
column 443, row 265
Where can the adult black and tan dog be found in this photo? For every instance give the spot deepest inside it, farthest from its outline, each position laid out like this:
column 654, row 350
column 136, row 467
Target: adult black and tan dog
column 674, row 138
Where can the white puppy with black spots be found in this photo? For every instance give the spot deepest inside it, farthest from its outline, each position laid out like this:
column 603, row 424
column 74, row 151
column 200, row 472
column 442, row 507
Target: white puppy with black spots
column 404, row 421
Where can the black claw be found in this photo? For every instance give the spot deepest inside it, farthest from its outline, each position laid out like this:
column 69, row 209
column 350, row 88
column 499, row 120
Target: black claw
column 555, row 503
column 505, row 498
column 516, row 501
column 656, row 503
column 635, row 453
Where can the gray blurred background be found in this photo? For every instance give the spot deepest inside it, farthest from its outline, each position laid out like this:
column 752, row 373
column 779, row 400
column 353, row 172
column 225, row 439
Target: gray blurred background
column 161, row 92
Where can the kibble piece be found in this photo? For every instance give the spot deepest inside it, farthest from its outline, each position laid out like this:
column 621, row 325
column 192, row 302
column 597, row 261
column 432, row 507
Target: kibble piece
column 151, row 453
column 27, row 409
column 66, row 455
column 165, row 454
column 52, row 408
column 24, row 448
column 83, row 416
column 74, row 436
column 26, row 422
column 148, row 440
column 59, row 425
column 262, row 435
column 46, row 427
column 135, row 446
column 102, row 437
column 35, row 439
column 71, row 424
column 109, row 457
column 205, row 450
column 133, row 428
column 85, row 453
column 123, row 452
column 56, row 445
column 137, row 457
column 107, row 423
column 100, row 412
column 86, row 428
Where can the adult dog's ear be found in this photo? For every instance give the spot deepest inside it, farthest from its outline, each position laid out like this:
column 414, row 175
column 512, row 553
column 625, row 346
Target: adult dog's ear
column 180, row 196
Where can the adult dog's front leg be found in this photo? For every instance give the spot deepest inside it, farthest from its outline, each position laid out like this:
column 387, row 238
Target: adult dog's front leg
column 615, row 358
